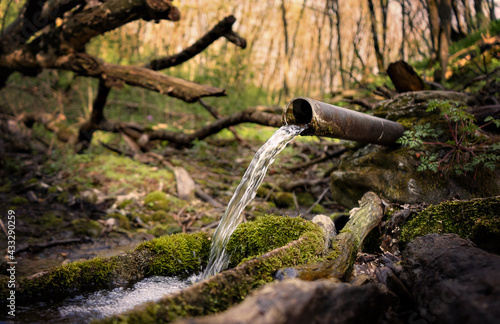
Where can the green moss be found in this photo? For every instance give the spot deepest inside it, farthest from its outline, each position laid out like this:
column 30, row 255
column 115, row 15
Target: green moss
column 283, row 199
column 178, row 253
column 86, row 227
column 160, row 230
column 63, row 197
column 18, row 201
column 252, row 239
column 158, row 200
column 162, row 216
column 123, row 220
column 125, row 203
column 50, row 220
column 52, row 189
column 318, row 209
column 305, row 199
column 478, row 220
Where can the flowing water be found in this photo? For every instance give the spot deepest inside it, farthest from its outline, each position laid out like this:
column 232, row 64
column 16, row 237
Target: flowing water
column 84, row 308
column 245, row 192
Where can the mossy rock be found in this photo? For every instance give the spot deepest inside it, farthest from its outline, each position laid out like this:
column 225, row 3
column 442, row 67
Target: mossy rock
column 477, row 220
column 266, row 233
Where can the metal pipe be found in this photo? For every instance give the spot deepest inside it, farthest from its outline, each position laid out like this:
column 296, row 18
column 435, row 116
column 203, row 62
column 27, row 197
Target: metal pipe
column 332, row 121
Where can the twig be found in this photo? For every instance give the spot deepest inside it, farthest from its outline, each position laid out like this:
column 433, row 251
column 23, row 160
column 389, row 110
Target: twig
column 318, row 160
column 319, row 199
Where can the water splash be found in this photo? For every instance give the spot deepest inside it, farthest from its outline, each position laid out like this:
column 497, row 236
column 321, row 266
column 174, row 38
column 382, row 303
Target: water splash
column 244, row 193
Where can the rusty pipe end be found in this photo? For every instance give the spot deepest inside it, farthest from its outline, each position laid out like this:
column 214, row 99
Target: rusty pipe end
column 331, row 121
column 299, row 111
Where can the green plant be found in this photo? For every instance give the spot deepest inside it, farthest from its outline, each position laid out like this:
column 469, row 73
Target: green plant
column 462, row 146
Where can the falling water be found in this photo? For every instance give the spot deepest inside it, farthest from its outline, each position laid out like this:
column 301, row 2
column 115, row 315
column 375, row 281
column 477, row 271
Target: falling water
column 244, row 193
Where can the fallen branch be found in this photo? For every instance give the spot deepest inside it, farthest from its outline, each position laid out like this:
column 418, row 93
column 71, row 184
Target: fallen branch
column 349, row 241
column 34, row 248
column 247, row 116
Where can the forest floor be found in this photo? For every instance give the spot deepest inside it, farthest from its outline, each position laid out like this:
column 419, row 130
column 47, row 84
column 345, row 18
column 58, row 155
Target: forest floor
column 70, row 207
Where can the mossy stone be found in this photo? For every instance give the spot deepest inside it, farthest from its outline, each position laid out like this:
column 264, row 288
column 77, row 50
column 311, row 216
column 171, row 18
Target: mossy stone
column 477, row 220
column 162, row 216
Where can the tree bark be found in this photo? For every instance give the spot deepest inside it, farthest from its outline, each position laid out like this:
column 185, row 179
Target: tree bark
column 452, row 280
column 298, row 301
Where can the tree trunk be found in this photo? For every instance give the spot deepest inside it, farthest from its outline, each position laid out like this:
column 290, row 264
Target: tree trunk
column 444, row 9
column 376, row 46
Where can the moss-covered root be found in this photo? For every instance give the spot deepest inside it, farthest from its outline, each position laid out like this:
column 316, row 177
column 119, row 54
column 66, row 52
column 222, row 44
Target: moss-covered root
column 348, row 242
column 477, row 220
column 168, row 255
column 229, row 287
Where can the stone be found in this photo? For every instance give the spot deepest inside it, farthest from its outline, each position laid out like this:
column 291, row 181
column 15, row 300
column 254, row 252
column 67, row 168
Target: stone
column 185, row 184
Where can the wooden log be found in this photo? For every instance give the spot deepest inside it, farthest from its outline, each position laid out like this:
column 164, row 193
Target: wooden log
column 299, row 301
column 404, row 77
column 452, row 280
column 349, row 241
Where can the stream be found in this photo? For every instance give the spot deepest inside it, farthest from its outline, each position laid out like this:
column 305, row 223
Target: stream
column 244, row 194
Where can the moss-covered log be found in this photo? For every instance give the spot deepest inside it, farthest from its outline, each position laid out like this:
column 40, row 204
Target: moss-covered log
column 177, row 254
column 349, row 241
column 477, row 220
column 229, row 287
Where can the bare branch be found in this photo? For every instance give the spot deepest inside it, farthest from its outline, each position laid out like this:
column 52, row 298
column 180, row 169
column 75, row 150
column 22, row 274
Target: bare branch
column 223, row 28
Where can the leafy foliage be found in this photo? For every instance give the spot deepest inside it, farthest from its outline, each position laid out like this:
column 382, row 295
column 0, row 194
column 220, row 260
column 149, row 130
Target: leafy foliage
column 463, row 147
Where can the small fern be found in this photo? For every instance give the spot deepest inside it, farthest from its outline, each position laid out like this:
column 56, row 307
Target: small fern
column 466, row 150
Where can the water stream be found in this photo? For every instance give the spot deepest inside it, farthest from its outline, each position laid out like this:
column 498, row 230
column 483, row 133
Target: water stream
column 244, row 194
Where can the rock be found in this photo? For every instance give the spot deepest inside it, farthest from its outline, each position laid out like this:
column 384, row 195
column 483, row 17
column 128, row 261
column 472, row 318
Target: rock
column 93, row 196
column 185, row 184
column 452, row 280
column 477, row 220
column 299, row 301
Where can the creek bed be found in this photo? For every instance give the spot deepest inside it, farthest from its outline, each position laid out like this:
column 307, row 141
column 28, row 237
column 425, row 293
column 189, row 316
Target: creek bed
column 86, row 307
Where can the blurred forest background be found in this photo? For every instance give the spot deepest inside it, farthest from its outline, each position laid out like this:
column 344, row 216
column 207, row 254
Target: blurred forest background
column 85, row 75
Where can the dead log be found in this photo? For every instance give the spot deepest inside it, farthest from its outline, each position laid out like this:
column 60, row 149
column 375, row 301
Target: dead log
column 349, row 241
column 404, row 77
column 298, row 301
column 452, row 280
